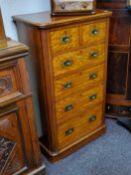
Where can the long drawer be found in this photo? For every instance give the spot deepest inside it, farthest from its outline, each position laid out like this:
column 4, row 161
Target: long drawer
column 71, row 61
column 73, row 83
column 80, row 125
column 77, row 103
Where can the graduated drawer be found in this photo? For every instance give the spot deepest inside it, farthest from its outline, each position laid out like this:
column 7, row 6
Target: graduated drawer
column 80, row 126
column 62, row 40
column 93, row 32
column 75, row 82
column 71, row 61
column 72, row 105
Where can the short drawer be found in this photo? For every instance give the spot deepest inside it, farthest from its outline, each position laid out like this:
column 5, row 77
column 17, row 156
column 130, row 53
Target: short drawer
column 93, row 55
column 93, row 32
column 80, row 126
column 64, row 39
column 67, row 85
column 92, row 96
column 66, row 62
column 67, row 107
column 75, row 82
column 93, row 75
column 78, row 102
column 92, row 118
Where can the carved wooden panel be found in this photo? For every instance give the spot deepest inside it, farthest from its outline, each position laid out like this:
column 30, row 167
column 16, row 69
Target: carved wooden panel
column 7, row 81
column 5, row 84
column 11, row 144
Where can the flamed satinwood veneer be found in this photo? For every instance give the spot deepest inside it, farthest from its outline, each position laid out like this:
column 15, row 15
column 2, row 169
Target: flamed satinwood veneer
column 70, row 59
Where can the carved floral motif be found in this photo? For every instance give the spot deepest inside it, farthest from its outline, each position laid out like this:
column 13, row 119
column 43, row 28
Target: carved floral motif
column 5, row 84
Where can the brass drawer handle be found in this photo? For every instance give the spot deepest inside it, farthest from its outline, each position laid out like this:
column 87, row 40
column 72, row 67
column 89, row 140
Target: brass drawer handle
column 93, row 97
column 92, row 119
column 68, row 85
column 69, row 131
column 95, row 32
column 68, row 108
column 68, row 63
column 65, row 39
column 94, row 54
column 93, row 76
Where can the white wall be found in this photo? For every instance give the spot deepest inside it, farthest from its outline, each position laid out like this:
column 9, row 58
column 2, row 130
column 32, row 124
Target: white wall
column 15, row 7
column 10, row 8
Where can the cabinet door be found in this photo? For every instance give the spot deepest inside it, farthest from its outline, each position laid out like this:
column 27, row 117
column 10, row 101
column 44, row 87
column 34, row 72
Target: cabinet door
column 12, row 157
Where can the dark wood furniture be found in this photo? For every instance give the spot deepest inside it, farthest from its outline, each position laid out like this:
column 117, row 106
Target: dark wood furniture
column 19, row 145
column 119, row 58
column 70, row 58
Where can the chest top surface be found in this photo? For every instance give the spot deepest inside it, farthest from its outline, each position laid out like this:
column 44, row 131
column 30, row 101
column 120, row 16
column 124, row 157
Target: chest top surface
column 44, row 19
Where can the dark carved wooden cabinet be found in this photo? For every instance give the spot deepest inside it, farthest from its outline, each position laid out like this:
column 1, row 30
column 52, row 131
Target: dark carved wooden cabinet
column 19, row 148
column 119, row 58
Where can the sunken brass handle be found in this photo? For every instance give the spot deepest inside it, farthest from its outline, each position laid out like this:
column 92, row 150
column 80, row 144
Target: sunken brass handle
column 93, row 76
column 92, row 119
column 93, row 54
column 68, row 108
column 69, row 131
column 66, row 39
column 93, row 97
column 68, row 63
column 95, row 32
column 68, row 85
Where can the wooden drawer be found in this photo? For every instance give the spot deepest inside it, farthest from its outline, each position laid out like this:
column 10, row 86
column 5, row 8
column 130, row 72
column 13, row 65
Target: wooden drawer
column 75, row 60
column 75, row 82
column 93, row 55
column 67, row 107
column 64, row 39
column 93, row 32
column 93, row 75
column 79, row 126
column 78, row 102
column 66, row 62
column 67, row 85
column 92, row 96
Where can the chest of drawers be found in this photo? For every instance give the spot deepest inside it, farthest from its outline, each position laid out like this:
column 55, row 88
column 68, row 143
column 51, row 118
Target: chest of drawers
column 19, row 146
column 69, row 56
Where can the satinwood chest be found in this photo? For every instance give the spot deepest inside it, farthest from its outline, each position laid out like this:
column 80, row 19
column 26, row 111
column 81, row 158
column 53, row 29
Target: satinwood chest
column 69, row 56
